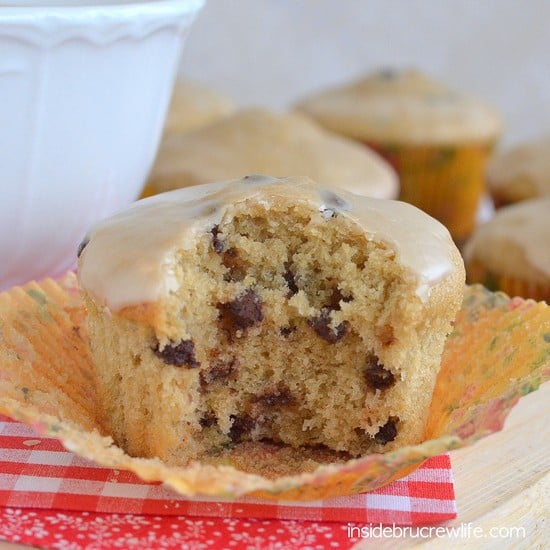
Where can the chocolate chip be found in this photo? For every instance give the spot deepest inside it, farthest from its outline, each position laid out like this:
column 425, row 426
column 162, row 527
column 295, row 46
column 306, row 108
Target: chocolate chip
column 209, row 419
column 217, row 244
column 321, row 325
column 235, row 264
column 241, row 426
column 378, row 377
column 287, row 331
column 276, row 397
column 290, row 282
column 218, row 371
column 82, row 246
column 337, row 297
column 243, row 312
column 179, row 354
column 333, row 202
column 388, row 432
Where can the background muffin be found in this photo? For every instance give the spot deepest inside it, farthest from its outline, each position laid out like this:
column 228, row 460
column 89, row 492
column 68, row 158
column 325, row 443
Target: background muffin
column 194, row 105
column 260, row 141
column 437, row 139
column 520, row 173
column 511, row 252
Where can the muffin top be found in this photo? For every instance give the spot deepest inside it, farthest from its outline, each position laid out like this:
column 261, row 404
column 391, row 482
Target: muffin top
column 403, row 107
column 522, row 172
column 194, row 105
column 259, row 141
column 515, row 242
column 130, row 258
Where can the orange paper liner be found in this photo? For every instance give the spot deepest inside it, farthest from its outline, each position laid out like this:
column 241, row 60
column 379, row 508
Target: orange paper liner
column 499, row 351
column 148, row 191
column 513, row 286
column 446, row 182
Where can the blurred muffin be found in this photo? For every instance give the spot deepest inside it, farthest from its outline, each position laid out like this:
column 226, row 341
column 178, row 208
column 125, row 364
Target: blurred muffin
column 437, row 139
column 259, row 141
column 520, row 173
column 194, row 105
column 511, row 252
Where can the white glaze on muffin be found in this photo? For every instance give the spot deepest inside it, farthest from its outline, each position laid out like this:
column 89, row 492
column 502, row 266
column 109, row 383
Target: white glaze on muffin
column 126, row 262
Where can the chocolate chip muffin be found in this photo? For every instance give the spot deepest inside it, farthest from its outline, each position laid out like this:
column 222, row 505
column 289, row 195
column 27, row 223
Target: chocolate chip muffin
column 510, row 252
column 267, row 310
column 520, row 173
column 436, row 138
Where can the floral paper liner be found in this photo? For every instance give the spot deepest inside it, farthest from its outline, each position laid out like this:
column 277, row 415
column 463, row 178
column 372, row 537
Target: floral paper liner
column 477, row 272
column 446, row 182
column 499, row 351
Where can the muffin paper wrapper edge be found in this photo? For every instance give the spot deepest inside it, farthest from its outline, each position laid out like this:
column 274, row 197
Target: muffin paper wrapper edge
column 498, row 352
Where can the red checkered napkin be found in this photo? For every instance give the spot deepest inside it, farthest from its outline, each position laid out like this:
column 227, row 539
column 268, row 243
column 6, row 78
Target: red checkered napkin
column 39, row 473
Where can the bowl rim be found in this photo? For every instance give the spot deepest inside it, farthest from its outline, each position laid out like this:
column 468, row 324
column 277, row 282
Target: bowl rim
column 87, row 9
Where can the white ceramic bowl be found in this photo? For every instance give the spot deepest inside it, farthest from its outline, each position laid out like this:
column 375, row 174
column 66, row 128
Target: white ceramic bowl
column 84, row 88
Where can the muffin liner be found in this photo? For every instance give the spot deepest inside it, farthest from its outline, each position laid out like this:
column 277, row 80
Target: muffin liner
column 148, row 191
column 520, row 188
column 513, row 286
column 501, row 202
column 498, row 351
column 447, row 181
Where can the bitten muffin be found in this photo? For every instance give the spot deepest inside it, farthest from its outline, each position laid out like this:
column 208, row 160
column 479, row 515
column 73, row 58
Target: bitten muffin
column 520, row 173
column 511, row 252
column 259, row 141
column 437, row 139
column 194, row 105
column 267, row 309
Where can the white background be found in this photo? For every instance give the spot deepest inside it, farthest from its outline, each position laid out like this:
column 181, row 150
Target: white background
column 272, row 52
